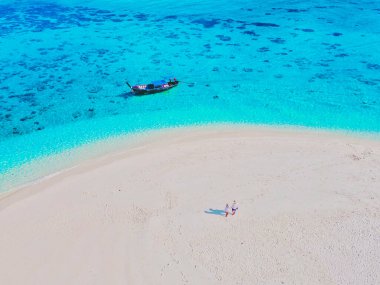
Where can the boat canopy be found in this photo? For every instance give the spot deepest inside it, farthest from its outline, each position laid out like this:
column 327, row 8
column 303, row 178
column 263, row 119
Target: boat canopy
column 158, row 83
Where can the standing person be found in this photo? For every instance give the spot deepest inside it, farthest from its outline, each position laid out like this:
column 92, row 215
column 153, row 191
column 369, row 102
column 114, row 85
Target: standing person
column 234, row 207
column 227, row 209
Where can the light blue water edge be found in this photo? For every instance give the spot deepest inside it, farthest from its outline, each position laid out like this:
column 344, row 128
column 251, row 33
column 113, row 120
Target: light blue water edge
column 63, row 67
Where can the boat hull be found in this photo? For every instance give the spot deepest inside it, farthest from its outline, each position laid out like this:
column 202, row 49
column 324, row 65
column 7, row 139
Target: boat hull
column 142, row 90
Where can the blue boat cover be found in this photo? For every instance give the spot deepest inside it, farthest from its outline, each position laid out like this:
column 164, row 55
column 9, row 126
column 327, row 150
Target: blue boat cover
column 158, row 82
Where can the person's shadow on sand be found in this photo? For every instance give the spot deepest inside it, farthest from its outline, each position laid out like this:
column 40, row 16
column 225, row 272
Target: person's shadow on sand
column 215, row 212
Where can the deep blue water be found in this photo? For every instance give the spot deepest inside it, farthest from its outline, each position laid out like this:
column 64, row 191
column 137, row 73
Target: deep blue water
column 63, row 67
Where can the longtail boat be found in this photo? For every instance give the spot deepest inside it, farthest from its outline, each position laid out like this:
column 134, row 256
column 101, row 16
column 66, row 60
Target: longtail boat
column 154, row 87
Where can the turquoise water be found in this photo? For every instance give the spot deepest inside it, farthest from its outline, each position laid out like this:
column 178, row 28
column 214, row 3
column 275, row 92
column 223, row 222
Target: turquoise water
column 63, row 67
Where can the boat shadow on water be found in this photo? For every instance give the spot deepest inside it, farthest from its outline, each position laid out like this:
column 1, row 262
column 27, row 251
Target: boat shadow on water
column 126, row 95
column 215, row 212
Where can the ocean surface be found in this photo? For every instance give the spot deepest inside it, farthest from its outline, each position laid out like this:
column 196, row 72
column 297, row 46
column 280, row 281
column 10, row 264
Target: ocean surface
column 64, row 64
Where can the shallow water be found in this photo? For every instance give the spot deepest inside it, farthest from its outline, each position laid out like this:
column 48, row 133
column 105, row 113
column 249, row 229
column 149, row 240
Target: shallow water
column 63, row 67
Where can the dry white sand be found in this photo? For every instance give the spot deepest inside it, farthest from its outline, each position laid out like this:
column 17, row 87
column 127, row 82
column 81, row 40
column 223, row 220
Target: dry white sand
column 309, row 213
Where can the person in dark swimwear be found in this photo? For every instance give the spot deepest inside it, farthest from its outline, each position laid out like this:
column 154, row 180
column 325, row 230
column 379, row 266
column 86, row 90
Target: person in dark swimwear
column 234, row 207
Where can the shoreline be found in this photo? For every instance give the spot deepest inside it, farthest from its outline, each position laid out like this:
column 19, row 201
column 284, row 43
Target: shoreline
column 115, row 145
column 152, row 213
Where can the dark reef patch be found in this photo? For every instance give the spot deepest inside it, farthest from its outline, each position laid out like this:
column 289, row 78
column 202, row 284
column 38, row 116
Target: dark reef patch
column 366, row 81
column 307, row 30
column 94, row 89
column 258, row 24
column 277, row 40
column 337, row 34
column 328, row 75
column 223, row 38
column 296, row 10
column 251, row 33
column 322, row 64
column 15, row 131
column 141, row 16
column 26, row 118
column 215, row 56
column 26, row 98
column 38, row 18
column 341, row 55
column 170, row 17
column 303, row 62
column 76, row 114
column 172, row 36
column 263, row 49
column 331, row 46
column 373, row 66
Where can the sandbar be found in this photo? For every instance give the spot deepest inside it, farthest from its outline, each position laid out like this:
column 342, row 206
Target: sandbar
column 152, row 213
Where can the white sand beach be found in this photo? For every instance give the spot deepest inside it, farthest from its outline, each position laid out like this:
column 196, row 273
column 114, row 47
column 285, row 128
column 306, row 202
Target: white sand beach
column 152, row 213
